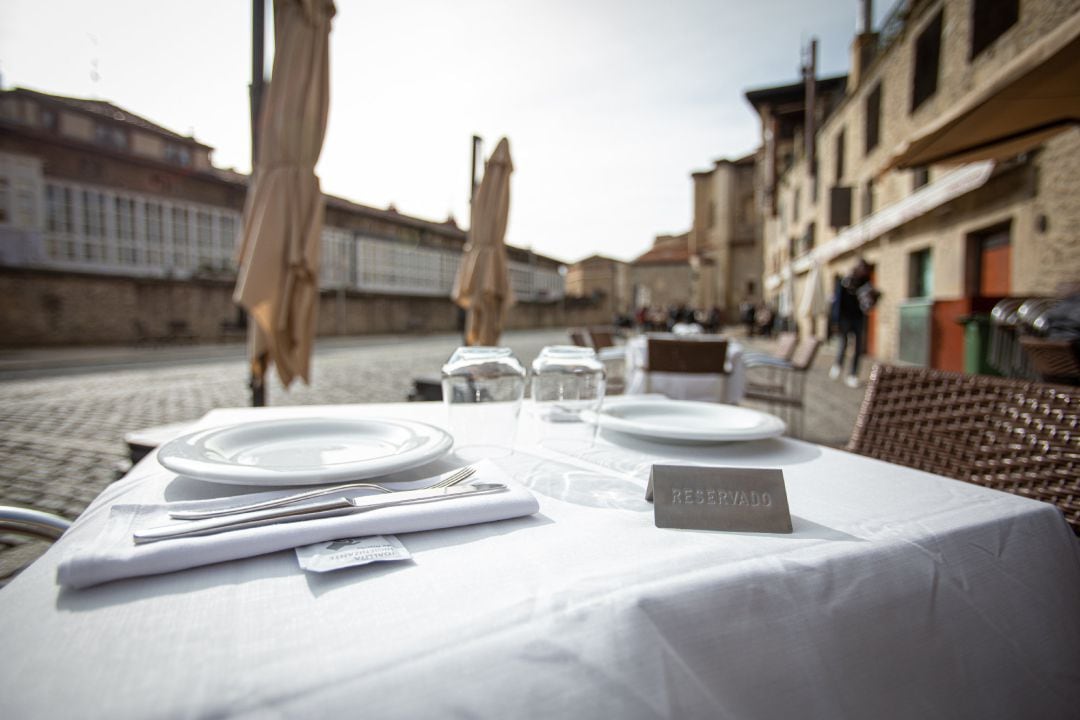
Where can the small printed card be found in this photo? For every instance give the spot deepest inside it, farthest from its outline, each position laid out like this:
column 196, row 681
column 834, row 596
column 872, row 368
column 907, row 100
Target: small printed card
column 350, row 552
column 719, row 498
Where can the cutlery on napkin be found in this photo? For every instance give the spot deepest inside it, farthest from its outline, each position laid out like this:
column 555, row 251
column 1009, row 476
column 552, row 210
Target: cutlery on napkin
column 112, row 554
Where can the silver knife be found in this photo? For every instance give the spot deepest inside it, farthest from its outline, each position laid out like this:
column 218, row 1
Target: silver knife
column 311, row 511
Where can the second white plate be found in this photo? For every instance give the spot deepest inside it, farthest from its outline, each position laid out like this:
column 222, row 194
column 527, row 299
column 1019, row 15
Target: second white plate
column 689, row 421
column 304, row 451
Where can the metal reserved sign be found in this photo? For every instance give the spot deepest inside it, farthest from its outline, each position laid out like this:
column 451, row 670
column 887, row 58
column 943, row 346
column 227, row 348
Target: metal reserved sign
column 716, row 498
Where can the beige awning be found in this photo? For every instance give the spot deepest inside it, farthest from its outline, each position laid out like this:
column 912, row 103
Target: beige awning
column 1035, row 96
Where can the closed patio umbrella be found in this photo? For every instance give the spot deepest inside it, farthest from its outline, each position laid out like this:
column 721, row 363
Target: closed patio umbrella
column 482, row 285
column 279, row 248
column 813, row 302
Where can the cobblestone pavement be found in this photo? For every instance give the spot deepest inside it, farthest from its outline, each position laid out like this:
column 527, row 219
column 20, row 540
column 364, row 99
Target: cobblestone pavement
column 62, row 425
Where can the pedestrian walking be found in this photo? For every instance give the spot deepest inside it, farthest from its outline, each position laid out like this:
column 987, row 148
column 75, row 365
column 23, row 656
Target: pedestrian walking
column 853, row 298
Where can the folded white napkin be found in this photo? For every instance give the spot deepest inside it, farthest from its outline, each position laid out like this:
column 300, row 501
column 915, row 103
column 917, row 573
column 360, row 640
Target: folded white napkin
column 113, row 554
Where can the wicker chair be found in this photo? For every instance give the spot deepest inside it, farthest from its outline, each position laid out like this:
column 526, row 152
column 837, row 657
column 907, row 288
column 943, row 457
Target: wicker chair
column 1012, row 435
column 782, row 385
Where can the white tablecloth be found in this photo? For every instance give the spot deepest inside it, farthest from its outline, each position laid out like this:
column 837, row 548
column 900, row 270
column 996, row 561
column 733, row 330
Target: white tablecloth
column 899, row 595
column 728, row 388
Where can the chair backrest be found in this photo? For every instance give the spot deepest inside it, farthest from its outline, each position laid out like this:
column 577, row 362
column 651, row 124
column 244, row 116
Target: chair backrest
column 1013, row 435
column 602, row 337
column 1054, row 360
column 802, row 357
column 579, row 337
column 785, row 345
column 687, row 356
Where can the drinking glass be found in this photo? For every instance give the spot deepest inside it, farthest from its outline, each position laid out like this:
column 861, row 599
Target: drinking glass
column 567, row 383
column 482, row 389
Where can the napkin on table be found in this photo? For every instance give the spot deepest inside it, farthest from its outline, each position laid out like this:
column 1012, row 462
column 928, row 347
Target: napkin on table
column 113, row 554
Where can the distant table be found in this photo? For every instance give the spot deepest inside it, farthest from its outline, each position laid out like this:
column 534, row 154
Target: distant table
column 728, row 388
column 900, row 594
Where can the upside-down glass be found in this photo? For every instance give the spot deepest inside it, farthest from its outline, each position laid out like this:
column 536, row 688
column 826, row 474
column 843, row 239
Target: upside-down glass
column 482, row 389
column 567, row 384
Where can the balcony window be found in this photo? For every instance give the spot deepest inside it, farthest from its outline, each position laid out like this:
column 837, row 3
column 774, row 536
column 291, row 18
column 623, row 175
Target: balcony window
column 927, row 62
column 840, row 150
column 873, row 118
column 989, row 21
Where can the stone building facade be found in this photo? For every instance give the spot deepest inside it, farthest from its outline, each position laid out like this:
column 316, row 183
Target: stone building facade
column 604, row 283
column 945, row 240
column 99, row 203
column 725, row 238
column 663, row 276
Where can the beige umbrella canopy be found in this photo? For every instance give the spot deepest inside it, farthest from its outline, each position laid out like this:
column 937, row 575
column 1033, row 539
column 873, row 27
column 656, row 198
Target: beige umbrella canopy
column 283, row 217
column 482, row 285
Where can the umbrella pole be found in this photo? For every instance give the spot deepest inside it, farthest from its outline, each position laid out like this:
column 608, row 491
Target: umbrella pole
column 258, row 24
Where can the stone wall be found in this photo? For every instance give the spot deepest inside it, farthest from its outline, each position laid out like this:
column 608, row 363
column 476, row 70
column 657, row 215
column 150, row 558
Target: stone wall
column 44, row 308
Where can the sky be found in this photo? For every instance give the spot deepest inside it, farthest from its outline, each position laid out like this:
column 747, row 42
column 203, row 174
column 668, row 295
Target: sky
column 609, row 105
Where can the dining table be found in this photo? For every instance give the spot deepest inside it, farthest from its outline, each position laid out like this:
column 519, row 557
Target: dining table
column 728, row 387
column 898, row 594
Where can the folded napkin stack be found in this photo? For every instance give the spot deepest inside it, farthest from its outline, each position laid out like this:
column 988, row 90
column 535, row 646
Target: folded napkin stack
column 113, row 554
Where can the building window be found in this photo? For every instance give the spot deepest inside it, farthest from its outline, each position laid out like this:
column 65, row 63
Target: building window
column 873, row 118
column 177, row 154
column 920, row 274
column 228, row 237
column 58, row 209
column 110, row 136
column 93, row 226
column 125, row 231
column 180, row 237
column 920, row 176
column 989, row 21
column 927, row 62
column 5, row 200
column 840, row 143
column 204, row 233
column 809, row 238
column 154, row 237
column 48, row 120
column 868, row 199
column 795, row 206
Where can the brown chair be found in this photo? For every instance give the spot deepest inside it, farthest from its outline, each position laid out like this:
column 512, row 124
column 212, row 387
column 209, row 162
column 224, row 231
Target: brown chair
column 601, row 337
column 698, row 357
column 579, row 337
column 782, row 385
column 1055, row 361
column 1013, row 435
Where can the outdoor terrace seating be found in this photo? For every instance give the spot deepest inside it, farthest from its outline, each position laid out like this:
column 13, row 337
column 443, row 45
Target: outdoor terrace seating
column 1013, row 435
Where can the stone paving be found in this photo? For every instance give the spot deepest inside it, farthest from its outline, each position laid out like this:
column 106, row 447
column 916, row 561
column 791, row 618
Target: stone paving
column 65, row 412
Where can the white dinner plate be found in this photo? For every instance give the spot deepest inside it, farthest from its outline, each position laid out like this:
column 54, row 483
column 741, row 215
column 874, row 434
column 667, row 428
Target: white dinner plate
column 689, row 421
column 304, row 451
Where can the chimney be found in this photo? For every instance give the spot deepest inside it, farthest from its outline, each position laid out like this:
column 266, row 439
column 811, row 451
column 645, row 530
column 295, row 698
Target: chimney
column 810, row 123
column 864, row 47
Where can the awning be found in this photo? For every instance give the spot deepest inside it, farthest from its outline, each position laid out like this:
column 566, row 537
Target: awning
column 1035, row 96
column 948, row 187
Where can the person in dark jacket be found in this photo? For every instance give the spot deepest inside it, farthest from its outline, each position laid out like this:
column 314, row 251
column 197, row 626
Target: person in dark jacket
column 853, row 298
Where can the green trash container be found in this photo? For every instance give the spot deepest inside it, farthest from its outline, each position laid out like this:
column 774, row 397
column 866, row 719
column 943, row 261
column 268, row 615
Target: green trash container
column 976, row 343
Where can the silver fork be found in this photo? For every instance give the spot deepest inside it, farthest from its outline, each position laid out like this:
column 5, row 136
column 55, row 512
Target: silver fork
column 449, row 481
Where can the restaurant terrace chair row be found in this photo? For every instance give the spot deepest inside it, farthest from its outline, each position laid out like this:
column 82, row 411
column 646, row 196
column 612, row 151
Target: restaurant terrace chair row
column 1013, row 435
column 781, row 384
